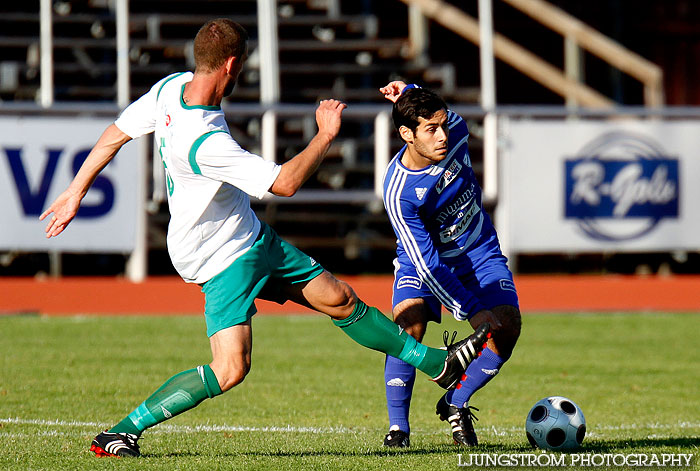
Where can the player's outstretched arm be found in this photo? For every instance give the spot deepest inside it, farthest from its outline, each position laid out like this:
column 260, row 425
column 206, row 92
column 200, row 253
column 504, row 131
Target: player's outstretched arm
column 65, row 207
column 392, row 90
column 296, row 171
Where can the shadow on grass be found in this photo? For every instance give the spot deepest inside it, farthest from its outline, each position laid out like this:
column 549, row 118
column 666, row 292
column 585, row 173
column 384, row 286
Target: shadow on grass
column 604, row 446
column 446, row 449
column 598, row 446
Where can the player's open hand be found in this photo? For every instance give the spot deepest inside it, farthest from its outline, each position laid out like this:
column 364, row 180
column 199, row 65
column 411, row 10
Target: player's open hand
column 392, row 91
column 328, row 116
column 64, row 210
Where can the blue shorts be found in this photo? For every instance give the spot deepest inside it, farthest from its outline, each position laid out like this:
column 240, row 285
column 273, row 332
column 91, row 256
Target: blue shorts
column 491, row 282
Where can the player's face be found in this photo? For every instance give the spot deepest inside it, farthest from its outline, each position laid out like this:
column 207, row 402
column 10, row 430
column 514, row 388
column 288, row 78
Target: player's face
column 430, row 137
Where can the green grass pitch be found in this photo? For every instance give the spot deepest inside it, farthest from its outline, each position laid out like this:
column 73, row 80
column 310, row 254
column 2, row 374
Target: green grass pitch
column 315, row 400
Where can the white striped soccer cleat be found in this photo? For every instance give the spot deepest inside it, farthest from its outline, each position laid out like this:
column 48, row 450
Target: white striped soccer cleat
column 115, row 444
column 460, row 419
column 460, row 354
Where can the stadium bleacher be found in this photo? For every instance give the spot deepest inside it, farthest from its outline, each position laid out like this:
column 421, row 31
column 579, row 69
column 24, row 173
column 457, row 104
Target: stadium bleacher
column 161, row 33
column 327, row 48
column 323, row 51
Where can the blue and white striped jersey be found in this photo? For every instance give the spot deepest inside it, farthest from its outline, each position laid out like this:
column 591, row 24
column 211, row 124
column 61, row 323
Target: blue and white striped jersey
column 439, row 219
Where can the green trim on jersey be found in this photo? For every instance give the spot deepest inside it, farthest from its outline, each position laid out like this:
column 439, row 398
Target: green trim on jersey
column 195, row 147
column 166, row 81
column 195, row 107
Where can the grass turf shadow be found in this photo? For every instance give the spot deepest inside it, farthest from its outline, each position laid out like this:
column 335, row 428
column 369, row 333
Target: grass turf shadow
column 446, row 449
column 606, row 446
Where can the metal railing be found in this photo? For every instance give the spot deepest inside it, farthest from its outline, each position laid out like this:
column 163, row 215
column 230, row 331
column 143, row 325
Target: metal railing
column 577, row 35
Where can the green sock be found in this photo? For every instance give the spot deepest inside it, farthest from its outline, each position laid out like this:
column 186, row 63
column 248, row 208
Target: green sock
column 180, row 393
column 372, row 329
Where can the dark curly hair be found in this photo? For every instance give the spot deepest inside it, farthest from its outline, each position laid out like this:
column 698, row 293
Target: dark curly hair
column 415, row 103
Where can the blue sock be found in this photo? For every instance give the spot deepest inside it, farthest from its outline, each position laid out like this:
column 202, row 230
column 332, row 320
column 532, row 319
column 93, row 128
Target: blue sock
column 399, row 377
column 479, row 372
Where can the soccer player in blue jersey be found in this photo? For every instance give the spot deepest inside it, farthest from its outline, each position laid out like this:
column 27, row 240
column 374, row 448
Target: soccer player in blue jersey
column 447, row 254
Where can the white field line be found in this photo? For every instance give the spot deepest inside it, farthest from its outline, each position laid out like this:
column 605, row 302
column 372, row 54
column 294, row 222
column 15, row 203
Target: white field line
column 167, row 428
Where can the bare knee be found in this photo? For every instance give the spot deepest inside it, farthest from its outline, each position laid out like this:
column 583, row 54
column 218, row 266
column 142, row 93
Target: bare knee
column 328, row 295
column 504, row 339
column 230, row 349
column 231, row 373
column 339, row 300
column 412, row 315
column 343, row 298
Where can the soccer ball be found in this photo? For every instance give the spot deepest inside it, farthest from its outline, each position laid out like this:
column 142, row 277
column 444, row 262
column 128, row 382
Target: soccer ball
column 555, row 423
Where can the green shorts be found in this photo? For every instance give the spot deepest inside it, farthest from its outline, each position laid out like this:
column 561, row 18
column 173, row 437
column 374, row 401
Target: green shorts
column 270, row 263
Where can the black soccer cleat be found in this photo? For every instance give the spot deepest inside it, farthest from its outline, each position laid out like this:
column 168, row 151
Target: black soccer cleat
column 397, row 439
column 460, row 354
column 461, row 420
column 115, row 444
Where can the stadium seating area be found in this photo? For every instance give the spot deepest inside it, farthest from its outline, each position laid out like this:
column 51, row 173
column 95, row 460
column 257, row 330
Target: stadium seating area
column 343, row 49
column 324, row 51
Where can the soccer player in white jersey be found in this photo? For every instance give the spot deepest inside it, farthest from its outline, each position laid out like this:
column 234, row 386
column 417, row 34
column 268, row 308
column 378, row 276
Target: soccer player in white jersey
column 447, row 254
column 215, row 239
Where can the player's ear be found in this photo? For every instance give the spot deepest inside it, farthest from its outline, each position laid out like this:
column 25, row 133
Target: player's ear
column 406, row 134
column 230, row 64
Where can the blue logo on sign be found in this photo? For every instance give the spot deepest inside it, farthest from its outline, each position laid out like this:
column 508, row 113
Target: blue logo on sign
column 33, row 201
column 621, row 186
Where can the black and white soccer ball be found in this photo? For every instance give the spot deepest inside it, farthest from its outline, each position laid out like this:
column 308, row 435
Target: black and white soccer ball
column 555, row 423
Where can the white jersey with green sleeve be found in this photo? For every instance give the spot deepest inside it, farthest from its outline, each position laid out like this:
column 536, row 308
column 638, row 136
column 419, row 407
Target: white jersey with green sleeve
column 208, row 177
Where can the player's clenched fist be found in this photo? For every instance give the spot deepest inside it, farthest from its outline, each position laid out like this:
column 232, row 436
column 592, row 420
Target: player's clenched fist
column 328, row 116
column 392, row 91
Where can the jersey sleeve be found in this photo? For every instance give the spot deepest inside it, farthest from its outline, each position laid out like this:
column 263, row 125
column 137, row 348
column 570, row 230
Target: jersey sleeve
column 139, row 118
column 221, row 158
column 418, row 245
column 456, row 123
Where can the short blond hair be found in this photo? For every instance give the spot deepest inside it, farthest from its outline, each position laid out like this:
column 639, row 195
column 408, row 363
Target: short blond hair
column 216, row 41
